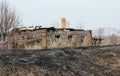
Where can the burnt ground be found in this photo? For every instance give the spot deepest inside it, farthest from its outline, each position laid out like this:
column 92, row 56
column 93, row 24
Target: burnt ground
column 90, row 61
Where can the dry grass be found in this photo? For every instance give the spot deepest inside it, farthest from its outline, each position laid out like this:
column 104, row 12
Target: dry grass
column 92, row 61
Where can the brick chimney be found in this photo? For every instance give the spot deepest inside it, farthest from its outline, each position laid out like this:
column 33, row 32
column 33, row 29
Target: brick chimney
column 63, row 23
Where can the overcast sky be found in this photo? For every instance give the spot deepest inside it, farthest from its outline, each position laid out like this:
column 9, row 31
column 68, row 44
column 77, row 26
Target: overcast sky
column 90, row 13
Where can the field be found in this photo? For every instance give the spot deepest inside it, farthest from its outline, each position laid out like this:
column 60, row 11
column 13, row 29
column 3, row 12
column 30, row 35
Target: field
column 88, row 61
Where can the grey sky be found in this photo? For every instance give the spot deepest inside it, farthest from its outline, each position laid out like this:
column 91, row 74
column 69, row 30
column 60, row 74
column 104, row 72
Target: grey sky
column 91, row 13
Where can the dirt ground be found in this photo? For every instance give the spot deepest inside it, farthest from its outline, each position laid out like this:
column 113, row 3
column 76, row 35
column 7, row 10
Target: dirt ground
column 89, row 61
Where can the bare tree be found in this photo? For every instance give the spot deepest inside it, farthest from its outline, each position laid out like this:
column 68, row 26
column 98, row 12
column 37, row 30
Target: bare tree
column 81, row 25
column 99, row 33
column 8, row 19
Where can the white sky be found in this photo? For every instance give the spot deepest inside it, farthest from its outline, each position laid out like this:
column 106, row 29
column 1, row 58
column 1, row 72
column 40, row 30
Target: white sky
column 91, row 13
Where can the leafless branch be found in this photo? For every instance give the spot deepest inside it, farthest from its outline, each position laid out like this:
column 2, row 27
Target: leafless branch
column 8, row 18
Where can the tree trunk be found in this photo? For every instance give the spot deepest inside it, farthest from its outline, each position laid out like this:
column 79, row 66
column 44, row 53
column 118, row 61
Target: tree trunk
column 4, row 37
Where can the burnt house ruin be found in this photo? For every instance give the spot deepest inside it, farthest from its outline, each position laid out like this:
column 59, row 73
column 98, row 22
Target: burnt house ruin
column 49, row 38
